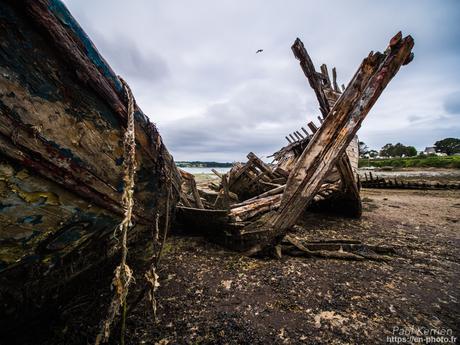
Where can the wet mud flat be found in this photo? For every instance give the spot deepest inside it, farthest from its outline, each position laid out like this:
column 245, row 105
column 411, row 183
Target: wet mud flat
column 209, row 295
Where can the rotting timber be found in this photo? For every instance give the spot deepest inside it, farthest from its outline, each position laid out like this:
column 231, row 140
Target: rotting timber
column 256, row 204
column 63, row 114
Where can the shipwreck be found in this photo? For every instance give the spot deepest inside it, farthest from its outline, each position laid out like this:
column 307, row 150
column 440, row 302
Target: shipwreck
column 255, row 204
column 64, row 115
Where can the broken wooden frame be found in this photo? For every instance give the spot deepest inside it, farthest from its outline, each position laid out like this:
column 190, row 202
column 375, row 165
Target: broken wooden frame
column 371, row 181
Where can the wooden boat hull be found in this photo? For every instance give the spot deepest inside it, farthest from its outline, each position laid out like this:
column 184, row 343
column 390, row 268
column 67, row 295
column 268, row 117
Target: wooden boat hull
column 62, row 121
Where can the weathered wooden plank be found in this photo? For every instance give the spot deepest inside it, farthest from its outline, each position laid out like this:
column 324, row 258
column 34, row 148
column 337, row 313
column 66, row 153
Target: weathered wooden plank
column 312, row 127
column 216, row 173
column 309, row 70
column 334, row 81
column 226, row 193
column 260, row 164
column 256, row 207
column 327, row 99
column 325, row 73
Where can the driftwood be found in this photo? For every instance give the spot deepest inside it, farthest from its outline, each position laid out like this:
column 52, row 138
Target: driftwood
column 335, row 249
column 304, row 251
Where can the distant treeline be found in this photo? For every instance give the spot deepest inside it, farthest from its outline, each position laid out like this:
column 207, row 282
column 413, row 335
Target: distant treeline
column 413, row 162
column 198, row 164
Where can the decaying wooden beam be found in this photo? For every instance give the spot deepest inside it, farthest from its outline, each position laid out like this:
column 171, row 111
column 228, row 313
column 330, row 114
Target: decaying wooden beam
column 325, row 73
column 256, row 207
column 326, row 103
column 216, row 173
column 336, row 249
column 334, row 81
column 274, row 191
column 195, row 193
column 304, row 251
column 192, row 184
column 309, row 70
column 312, row 126
column 260, row 164
column 330, row 142
column 226, row 193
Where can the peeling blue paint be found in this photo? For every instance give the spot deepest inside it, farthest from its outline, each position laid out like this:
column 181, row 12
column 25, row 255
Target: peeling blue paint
column 34, row 219
column 66, row 153
column 62, row 13
column 119, row 161
column 3, row 206
column 121, row 187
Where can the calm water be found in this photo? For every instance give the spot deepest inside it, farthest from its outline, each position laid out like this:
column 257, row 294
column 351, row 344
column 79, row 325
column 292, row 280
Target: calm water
column 410, row 173
column 205, row 170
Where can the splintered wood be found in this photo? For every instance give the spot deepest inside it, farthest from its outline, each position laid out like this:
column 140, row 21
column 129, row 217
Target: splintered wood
column 318, row 168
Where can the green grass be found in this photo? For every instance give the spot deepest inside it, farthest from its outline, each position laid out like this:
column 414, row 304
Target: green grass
column 414, row 162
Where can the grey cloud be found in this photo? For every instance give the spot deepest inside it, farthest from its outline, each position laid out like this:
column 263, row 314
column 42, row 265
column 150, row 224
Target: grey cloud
column 254, row 119
column 126, row 55
column 452, row 103
column 194, row 70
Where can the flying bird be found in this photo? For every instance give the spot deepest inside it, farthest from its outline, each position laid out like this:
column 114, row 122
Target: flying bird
column 259, row 51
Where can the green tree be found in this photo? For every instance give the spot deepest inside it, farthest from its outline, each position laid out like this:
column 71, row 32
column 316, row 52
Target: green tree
column 387, row 150
column 373, row 153
column 362, row 148
column 411, row 151
column 398, row 150
column 448, row 145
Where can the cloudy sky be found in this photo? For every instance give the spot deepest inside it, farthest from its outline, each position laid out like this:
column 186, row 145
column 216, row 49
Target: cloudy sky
column 193, row 68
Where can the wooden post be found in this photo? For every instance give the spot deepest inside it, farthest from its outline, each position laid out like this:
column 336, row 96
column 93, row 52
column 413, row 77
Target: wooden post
column 226, row 203
column 195, row 193
column 312, row 127
column 347, row 176
column 325, row 73
column 260, row 164
column 216, row 173
column 334, row 80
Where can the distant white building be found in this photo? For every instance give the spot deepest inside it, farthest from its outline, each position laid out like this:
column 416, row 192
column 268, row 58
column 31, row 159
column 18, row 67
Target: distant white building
column 430, row 150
